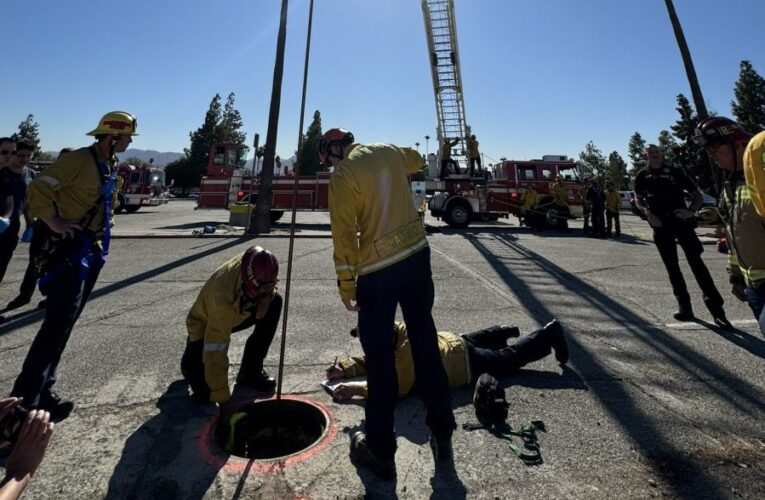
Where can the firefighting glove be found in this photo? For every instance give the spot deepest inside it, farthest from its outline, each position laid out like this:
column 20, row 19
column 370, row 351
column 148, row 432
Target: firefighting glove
column 262, row 304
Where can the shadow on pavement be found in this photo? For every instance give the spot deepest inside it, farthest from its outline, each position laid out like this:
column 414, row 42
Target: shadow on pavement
column 162, row 458
column 649, row 435
column 24, row 319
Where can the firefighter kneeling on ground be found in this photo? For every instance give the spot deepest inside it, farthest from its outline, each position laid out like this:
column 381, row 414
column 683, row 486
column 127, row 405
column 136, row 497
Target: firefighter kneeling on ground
column 239, row 295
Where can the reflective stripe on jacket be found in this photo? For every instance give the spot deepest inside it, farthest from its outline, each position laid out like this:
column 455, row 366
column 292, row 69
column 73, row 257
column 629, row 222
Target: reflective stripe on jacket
column 453, row 356
column 373, row 217
column 745, row 232
column 216, row 311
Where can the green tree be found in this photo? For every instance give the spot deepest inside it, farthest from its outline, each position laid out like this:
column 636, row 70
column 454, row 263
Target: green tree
column 181, row 175
column 309, row 156
column 202, row 140
column 636, row 151
column 687, row 155
column 617, row 171
column 29, row 131
column 230, row 128
column 592, row 160
column 749, row 105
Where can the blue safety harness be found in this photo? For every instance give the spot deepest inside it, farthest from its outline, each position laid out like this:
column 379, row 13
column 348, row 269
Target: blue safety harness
column 89, row 257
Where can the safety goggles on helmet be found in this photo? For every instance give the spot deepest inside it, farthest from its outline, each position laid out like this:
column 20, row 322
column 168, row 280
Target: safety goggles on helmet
column 331, row 138
column 259, row 271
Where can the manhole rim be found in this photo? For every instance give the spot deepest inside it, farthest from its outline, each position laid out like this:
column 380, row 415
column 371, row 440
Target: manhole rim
column 215, row 455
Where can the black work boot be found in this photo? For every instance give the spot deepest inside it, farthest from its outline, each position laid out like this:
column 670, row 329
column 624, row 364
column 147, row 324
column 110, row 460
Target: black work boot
column 261, row 381
column 59, row 408
column 362, row 455
column 721, row 320
column 684, row 313
column 442, row 450
column 557, row 341
column 17, row 302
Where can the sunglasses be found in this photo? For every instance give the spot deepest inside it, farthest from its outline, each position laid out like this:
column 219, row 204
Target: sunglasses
column 6, row 152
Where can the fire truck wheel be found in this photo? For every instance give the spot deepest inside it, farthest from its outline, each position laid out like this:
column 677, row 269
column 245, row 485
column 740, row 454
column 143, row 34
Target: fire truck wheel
column 553, row 217
column 458, row 215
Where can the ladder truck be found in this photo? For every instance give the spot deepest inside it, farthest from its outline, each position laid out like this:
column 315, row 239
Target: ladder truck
column 441, row 32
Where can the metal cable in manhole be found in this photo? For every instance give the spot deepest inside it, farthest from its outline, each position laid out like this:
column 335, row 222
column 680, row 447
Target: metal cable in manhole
column 267, row 435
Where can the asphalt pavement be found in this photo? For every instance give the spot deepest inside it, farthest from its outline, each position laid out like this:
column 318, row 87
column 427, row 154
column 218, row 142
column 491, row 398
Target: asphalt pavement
column 646, row 407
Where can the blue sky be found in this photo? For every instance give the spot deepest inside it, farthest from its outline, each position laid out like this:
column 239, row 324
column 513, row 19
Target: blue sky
column 540, row 76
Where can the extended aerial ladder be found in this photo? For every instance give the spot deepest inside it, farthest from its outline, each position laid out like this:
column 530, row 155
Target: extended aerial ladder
column 441, row 31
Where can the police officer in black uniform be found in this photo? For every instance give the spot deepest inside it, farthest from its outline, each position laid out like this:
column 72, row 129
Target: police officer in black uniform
column 660, row 191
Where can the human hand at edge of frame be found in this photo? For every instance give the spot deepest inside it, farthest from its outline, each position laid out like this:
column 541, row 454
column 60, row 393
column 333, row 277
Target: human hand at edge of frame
column 351, row 305
column 334, row 372
column 7, row 405
column 653, row 221
column 737, row 289
column 344, row 392
column 29, row 450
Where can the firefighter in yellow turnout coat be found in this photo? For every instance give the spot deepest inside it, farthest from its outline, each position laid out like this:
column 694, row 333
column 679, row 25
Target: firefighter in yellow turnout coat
column 382, row 260
column 735, row 150
column 239, row 295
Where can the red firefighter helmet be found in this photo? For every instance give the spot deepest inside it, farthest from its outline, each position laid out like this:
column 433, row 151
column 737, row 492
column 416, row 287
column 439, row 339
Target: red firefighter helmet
column 333, row 137
column 719, row 130
column 259, row 271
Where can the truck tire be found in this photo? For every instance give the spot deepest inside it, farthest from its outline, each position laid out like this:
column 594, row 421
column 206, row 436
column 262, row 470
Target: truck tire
column 458, row 215
column 131, row 209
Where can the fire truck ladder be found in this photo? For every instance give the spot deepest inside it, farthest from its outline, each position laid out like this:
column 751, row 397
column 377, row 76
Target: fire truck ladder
column 441, row 31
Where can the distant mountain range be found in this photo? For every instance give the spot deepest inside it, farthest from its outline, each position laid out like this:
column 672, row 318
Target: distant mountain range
column 160, row 159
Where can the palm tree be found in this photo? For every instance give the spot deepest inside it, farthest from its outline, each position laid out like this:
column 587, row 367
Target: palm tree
column 427, row 138
column 263, row 205
column 698, row 98
column 417, row 145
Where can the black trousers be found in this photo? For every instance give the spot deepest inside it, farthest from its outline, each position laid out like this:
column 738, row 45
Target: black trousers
column 598, row 222
column 67, row 295
column 407, row 283
column 666, row 238
column 473, row 162
column 586, row 212
column 488, row 351
column 29, row 283
column 612, row 218
column 255, row 350
column 9, row 239
column 445, row 167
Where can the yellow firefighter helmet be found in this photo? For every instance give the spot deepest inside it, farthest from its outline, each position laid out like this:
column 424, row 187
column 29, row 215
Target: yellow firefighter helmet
column 116, row 123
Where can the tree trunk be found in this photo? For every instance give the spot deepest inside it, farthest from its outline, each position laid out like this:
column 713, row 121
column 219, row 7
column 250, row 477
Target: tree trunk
column 698, row 98
column 262, row 212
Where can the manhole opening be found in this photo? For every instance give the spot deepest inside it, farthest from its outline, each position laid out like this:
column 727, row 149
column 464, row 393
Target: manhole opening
column 273, row 429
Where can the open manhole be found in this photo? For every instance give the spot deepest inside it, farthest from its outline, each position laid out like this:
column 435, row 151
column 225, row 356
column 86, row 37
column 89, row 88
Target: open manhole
column 274, row 429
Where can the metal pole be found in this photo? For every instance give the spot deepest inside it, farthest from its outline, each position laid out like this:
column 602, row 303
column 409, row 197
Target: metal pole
column 252, row 181
column 294, row 205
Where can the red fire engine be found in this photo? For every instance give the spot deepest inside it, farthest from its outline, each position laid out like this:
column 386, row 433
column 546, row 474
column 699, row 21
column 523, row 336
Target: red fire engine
column 461, row 199
column 226, row 182
column 141, row 187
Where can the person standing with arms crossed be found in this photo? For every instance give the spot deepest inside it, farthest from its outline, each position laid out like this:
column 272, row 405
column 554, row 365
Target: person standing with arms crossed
column 382, row 260
column 660, row 191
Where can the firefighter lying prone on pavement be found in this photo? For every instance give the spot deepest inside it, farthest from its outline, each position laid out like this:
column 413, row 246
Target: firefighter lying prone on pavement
column 240, row 294
column 465, row 357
